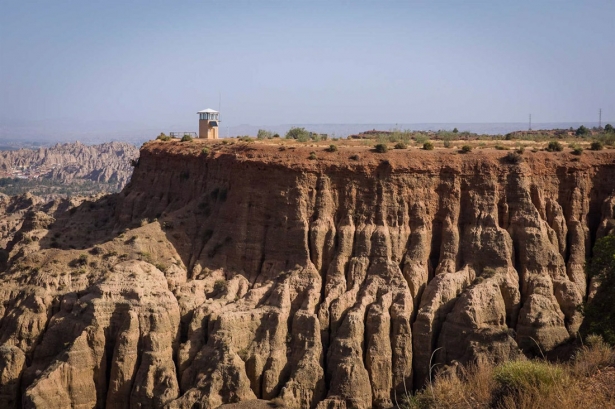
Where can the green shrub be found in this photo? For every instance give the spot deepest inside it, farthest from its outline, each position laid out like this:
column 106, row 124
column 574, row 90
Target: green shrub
column 428, row 146
column 312, row 156
column 298, row 133
column 596, row 146
column 577, row 150
column 332, row 148
column 400, row 145
column 355, row 157
column 455, row 130
column 582, row 131
column 275, row 135
column 186, row 138
column 501, row 147
column 522, row 376
column 608, row 128
column 163, row 137
column 263, row 134
column 555, row 146
column 381, row 148
column 466, row 149
column 513, row 157
column 205, row 151
column 447, row 143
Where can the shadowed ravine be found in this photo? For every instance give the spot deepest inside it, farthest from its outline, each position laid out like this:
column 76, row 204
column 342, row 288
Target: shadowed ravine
column 251, row 272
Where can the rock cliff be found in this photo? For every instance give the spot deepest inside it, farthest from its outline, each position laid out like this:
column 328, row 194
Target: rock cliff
column 249, row 272
column 68, row 168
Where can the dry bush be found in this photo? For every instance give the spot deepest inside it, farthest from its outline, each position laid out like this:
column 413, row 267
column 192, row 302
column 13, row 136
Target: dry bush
column 593, row 357
column 588, row 381
column 469, row 387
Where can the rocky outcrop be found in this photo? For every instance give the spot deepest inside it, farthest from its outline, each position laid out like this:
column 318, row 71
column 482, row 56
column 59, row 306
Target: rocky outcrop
column 251, row 272
column 69, row 168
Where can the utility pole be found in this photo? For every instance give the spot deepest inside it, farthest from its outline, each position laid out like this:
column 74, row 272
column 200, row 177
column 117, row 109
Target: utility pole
column 600, row 118
column 530, row 122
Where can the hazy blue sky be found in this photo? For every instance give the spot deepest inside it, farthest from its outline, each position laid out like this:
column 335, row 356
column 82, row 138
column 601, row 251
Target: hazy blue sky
column 158, row 62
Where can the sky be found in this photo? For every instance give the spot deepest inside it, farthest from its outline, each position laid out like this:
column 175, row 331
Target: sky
column 155, row 63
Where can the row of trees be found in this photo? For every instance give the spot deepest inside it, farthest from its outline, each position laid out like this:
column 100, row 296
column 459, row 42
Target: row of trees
column 584, row 131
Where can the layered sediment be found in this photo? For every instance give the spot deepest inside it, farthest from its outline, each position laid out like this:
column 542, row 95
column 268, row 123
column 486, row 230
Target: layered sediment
column 249, row 272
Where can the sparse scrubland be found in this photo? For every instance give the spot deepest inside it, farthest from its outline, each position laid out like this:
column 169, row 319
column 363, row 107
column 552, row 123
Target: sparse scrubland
column 574, row 141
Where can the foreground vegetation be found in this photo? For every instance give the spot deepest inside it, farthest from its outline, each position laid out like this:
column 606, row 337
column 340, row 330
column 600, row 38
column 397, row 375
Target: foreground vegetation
column 588, row 381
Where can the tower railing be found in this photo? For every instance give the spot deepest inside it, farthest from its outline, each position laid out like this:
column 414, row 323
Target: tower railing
column 181, row 134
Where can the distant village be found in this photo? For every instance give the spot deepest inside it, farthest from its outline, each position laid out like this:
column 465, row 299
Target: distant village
column 28, row 172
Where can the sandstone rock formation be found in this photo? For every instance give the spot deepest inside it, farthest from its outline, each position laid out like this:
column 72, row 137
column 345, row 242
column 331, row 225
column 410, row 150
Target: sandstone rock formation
column 73, row 166
column 252, row 273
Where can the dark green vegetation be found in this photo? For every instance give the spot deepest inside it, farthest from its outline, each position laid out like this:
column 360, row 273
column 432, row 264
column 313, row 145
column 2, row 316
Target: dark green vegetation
column 381, row 148
column 513, row 158
column 600, row 311
column 332, row 148
column 401, row 145
column 555, row 146
column 46, row 187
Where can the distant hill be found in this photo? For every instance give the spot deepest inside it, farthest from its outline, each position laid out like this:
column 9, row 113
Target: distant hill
column 67, row 169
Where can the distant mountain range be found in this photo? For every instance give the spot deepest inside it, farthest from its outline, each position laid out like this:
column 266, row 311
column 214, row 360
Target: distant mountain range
column 67, row 169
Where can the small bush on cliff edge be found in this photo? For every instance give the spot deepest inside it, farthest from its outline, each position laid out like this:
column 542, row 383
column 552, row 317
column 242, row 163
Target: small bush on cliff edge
column 596, row 146
column 513, row 158
column 332, row 148
column 298, row 133
column 465, row 149
column 400, row 145
column 381, row 148
column 186, row 138
column 428, row 146
column 555, row 146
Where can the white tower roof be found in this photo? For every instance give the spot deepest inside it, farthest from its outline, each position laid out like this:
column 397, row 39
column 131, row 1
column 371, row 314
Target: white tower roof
column 208, row 111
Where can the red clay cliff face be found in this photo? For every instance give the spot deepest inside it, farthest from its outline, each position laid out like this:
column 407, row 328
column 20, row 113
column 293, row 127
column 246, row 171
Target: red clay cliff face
column 329, row 283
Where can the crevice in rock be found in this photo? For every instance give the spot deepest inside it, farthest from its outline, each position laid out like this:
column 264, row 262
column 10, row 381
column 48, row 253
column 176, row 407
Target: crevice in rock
column 567, row 248
column 365, row 340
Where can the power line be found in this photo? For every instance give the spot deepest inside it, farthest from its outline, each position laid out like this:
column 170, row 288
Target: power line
column 530, row 122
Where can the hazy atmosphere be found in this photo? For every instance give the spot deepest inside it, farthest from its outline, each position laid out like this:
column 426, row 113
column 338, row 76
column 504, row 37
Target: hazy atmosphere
column 307, row 204
column 113, row 68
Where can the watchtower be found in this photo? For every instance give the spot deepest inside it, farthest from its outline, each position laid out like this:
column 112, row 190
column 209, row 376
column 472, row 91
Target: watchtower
column 208, row 123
